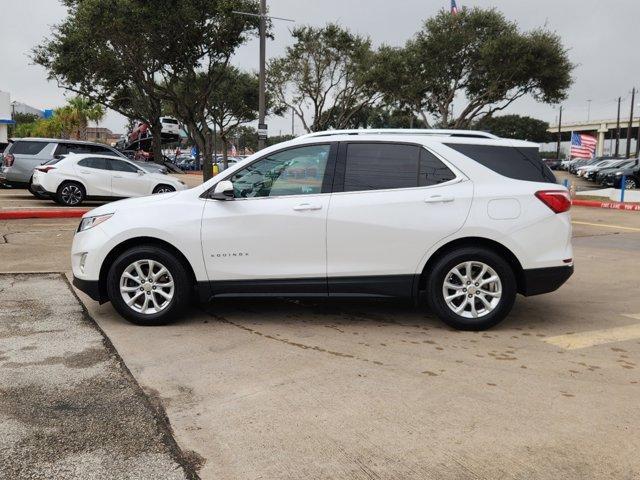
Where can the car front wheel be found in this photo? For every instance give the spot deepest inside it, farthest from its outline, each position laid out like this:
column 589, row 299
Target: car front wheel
column 148, row 285
column 163, row 189
column 471, row 288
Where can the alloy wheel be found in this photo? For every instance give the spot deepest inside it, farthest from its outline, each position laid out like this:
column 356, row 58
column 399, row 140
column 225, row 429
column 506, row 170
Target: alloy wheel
column 71, row 194
column 147, row 286
column 472, row 289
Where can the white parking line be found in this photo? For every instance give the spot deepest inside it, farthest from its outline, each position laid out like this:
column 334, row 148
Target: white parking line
column 592, row 338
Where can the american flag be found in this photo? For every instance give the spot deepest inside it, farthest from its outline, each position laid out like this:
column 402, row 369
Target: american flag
column 583, row 146
column 454, row 7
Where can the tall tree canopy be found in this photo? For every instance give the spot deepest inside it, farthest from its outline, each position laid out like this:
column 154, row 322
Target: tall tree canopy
column 133, row 55
column 324, row 77
column 516, row 126
column 462, row 67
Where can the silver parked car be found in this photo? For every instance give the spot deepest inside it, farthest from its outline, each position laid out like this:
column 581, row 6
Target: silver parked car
column 22, row 155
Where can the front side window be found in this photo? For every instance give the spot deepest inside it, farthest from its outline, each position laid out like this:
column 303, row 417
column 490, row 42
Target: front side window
column 298, row 171
column 381, row 166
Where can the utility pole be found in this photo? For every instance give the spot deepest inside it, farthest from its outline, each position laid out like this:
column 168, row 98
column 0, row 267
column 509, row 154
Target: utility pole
column 618, row 129
column 559, row 133
column 262, row 104
column 633, row 100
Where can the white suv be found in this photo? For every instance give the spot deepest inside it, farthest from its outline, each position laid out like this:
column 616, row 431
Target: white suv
column 465, row 217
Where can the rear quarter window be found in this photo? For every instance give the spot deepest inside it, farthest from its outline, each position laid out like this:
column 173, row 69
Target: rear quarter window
column 512, row 162
column 28, row 148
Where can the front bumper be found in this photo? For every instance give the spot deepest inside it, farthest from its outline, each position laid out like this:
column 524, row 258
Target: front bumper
column 537, row 281
column 90, row 287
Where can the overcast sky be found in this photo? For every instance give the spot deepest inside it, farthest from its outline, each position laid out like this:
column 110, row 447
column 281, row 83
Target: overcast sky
column 602, row 37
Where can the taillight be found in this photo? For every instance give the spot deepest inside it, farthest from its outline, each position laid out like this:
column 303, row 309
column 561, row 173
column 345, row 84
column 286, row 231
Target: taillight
column 557, row 200
column 45, row 169
column 8, row 160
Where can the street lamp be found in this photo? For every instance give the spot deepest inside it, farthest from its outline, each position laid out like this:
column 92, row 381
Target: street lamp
column 262, row 103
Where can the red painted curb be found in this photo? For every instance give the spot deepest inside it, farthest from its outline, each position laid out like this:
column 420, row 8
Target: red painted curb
column 611, row 205
column 44, row 213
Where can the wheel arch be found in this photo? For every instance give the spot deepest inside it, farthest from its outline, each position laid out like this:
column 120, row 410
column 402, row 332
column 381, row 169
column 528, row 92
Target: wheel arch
column 473, row 242
column 137, row 242
column 73, row 180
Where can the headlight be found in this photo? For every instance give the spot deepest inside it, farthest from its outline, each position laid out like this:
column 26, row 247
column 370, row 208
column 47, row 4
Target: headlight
column 90, row 222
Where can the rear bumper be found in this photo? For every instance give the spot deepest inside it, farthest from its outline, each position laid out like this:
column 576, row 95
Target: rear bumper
column 40, row 189
column 90, row 287
column 537, row 281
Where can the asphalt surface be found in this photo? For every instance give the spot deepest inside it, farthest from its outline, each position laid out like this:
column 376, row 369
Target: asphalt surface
column 69, row 409
column 360, row 390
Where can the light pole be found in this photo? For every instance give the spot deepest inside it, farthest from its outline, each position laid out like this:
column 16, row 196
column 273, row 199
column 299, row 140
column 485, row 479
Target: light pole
column 262, row 96
column 633, row 100
column 559, row 134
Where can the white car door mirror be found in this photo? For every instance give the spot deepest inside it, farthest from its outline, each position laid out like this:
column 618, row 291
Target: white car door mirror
column 223, row 191
column 141, row 172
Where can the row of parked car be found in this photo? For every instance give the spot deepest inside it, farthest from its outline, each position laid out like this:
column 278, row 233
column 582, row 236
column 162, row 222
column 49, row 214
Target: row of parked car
column 604, row 171
column 71, row 171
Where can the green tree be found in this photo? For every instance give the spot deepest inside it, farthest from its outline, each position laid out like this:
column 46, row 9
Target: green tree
column 324, row 77
column 128, row 55
column 515, row 126
column 478, row 62
column 76, row 115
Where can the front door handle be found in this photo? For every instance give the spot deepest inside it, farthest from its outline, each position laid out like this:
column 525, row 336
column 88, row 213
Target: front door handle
column 439, row 199
column 307, row 206
column 116, row 176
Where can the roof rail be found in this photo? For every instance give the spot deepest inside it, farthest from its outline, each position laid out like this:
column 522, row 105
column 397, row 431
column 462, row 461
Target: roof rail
column 403, row 131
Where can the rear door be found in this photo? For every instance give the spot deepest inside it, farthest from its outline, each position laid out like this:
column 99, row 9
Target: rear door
column 391, row 203
column 95, row 175
column 126, row 181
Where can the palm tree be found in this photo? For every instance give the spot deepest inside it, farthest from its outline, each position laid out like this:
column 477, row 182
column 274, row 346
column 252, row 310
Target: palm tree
column 76, row 115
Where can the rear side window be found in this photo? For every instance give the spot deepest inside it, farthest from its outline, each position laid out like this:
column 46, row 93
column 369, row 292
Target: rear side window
column 432, row 170
column 99, row 163
column 512, row 162
column 27, row 148
column 380, row 166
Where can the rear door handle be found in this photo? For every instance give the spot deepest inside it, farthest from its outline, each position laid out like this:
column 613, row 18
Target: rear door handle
column 116, row 176
column 439, row 199
column 307, row 206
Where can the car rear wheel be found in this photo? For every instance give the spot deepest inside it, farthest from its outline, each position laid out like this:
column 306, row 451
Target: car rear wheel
column 148, row 285
column 163, row 189
column 631, row 184
column 70, row 194
column 471, row 288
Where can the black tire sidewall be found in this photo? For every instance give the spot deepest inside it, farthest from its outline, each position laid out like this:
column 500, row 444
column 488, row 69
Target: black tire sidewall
column 446, row 263
column 59, row 194
column 181, row 279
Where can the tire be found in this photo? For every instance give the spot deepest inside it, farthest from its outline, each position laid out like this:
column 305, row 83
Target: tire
column 70, row 194
column 38, row 195
column 631, row 184
column 160, row 309
column 162, row 188
column 487, row 316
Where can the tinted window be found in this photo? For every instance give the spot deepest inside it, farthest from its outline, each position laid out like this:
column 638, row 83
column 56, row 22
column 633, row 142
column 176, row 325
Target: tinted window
column 27, row 148
column 432, row 170
column 512, row 162
column 379, row 166
column 99, row 163
column 170, row 120
column 121, row 166
column 298, row 171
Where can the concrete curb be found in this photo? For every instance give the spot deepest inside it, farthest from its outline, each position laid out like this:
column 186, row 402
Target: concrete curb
column 609, row 205
column 42, row 213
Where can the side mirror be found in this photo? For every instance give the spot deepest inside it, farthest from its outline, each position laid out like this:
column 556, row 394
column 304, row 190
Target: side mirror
column 223, row 191
column 141, row 172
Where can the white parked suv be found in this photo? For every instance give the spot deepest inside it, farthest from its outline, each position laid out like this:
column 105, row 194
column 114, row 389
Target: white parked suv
column 466, row 218
column 75, row 178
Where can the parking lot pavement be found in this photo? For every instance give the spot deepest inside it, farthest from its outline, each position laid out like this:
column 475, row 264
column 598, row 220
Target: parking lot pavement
column 302, row 389
column 69, row 408
column 284, row 389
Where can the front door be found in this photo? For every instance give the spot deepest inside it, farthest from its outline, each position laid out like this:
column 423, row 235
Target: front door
column 272, row 237
column 126, row 181
column 95, row 175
